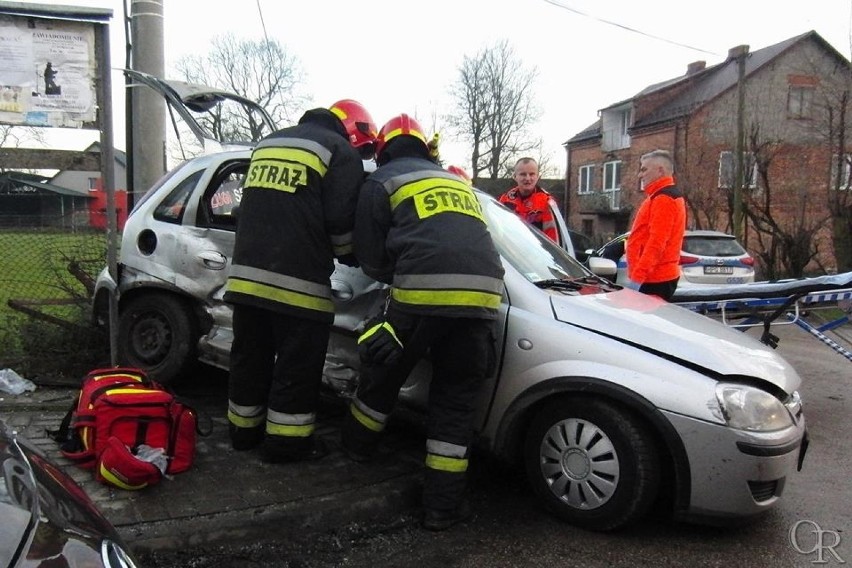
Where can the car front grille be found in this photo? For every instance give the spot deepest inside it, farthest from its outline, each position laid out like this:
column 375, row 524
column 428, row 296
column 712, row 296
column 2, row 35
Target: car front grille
column 763, row 490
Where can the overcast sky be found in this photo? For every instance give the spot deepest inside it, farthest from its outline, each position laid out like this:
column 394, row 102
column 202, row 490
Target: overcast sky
column 401, row 56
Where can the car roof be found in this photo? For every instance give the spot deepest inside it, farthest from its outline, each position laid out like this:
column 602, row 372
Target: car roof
column 705, row 233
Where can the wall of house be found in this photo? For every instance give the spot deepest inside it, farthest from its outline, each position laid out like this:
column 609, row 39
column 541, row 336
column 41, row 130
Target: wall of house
column 797, row 185
column 79, row 181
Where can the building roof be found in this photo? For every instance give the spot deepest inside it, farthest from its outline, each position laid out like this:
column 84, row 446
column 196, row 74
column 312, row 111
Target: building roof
column 11, row 180
column 703, row 86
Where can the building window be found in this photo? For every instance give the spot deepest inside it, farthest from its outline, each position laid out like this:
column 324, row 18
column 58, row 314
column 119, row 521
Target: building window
column 843, row 167
column 585, row 182
column 799, row 101
column 93, row 184
column 612, row 176
column 588, row 226
column 727, row 170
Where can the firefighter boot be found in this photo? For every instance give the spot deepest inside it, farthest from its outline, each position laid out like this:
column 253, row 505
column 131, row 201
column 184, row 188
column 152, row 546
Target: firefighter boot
column 357, row 441
column 243, row 439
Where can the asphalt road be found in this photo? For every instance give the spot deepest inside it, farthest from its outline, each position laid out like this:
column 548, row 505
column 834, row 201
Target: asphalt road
column 811, row 527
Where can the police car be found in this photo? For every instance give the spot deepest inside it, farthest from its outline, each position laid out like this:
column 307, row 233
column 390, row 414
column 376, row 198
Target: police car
column 708, row 258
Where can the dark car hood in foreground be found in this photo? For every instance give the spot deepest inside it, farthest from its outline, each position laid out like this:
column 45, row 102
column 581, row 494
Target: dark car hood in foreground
column 652, row 324
column 67, row 525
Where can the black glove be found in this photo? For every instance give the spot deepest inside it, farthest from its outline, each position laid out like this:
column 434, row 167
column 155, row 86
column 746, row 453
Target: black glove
column 348, row 260
column 379, row 344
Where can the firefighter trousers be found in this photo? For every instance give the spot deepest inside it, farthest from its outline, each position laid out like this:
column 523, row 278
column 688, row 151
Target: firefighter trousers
column 462, row 355
column 276, row 374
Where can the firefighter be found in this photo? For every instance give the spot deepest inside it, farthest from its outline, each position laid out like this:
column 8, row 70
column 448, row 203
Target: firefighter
column 528, row 200
column 420, row 229
column 296, row 215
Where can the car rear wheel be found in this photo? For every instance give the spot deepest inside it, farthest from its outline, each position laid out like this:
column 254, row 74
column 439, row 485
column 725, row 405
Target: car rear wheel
column 158, row 334
column 592, row 463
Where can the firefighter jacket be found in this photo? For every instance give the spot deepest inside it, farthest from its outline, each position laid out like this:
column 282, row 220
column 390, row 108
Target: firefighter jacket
column 534, row 209
column 421, row 229
column 656, row 238
column 296, row 214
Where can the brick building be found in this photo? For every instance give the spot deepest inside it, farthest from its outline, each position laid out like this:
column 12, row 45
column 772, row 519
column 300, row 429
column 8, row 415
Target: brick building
column 796, row 172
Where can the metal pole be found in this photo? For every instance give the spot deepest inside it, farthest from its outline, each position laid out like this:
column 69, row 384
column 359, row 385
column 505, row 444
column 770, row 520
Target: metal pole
column 108, row 175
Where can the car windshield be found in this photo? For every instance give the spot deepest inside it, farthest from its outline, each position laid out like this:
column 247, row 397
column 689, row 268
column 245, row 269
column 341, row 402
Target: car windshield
column 529, row 251
column 712, row 246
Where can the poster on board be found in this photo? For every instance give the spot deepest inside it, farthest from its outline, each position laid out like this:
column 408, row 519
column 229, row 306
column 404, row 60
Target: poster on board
column 48, row 72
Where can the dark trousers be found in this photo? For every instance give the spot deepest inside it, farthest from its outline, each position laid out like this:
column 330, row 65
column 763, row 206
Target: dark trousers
column 277, row 361
column 664, row 290
column 462, row 355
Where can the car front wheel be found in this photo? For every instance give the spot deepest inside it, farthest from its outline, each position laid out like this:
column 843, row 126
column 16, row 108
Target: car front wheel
column 158, row 334
column 592, row 463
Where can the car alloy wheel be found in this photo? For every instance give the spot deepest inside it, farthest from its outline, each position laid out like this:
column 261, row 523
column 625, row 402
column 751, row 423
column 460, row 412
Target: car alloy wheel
column 592, row 462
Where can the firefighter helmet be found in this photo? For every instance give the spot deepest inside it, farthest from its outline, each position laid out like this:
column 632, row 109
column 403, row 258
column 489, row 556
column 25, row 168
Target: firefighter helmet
column 399, row 126
column 357, row 121
column 459, row 171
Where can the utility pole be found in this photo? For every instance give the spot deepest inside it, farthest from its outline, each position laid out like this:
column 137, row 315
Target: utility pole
column 147, row 134
column 739, row 53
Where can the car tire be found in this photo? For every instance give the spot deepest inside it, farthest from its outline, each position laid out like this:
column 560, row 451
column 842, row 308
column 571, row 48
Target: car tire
column 158, row 334
column 592, row 463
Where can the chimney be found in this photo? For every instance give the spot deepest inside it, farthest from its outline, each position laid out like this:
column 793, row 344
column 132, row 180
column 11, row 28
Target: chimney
column 738, row 51
column 695, row 67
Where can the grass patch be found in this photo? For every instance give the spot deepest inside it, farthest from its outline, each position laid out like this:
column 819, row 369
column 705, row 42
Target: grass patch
column 50, row 273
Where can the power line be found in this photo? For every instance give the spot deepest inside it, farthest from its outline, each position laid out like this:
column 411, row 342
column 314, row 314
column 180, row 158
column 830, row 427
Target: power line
column 628, row 28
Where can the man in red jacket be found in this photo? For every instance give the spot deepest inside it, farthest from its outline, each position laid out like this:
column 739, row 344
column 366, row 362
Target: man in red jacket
column 655, row 241
column 529, row 201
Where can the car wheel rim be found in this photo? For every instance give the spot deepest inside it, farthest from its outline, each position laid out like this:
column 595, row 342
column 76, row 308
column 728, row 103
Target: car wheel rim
column 151, row 338
column 579, row 463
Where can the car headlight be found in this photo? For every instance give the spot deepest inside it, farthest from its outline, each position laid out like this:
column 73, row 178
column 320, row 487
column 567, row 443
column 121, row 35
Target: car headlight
column 749, row 408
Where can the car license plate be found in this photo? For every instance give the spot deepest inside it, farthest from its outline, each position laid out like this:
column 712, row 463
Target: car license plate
column 718, row 270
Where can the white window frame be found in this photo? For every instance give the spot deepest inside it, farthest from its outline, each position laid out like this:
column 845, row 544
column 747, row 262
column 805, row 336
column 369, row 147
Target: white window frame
column 615, row 165
column 727, row 169
column 585, row 179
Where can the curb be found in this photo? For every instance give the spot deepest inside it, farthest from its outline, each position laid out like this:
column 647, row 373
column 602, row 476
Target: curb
column 320, row 514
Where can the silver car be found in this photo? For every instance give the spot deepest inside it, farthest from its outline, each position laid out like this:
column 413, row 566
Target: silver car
column 614, row 401
column 708, row 258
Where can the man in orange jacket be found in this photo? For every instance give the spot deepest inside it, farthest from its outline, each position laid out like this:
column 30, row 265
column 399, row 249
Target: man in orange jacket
column 655, row 241
column 529, row 201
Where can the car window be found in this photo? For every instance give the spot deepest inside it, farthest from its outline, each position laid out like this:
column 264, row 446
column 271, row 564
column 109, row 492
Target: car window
column 171, row 208
column 529, row 251
column 153, row 189
column 614, row 249
column 222, row 199
column 712, row 246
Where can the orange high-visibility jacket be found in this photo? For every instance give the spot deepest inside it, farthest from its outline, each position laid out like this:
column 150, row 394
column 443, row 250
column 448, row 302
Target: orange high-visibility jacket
column 656, row 238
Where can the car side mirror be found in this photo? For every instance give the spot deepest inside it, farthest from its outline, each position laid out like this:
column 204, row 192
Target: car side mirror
column 602, row 266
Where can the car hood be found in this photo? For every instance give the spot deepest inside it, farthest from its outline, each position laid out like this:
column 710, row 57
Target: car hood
column 651, row 324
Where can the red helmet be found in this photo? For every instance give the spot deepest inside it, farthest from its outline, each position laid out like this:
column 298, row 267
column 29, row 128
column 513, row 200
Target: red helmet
column 398, row 126
column 459, row 171
column 357, row 121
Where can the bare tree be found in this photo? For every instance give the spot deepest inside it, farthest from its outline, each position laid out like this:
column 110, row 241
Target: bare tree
column 788, row 243
column 20, row 136
column 494, row 108
column 840, row 184
column 261, row 70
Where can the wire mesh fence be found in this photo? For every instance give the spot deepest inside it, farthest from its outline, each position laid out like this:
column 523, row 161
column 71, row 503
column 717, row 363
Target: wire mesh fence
column 48, row 269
